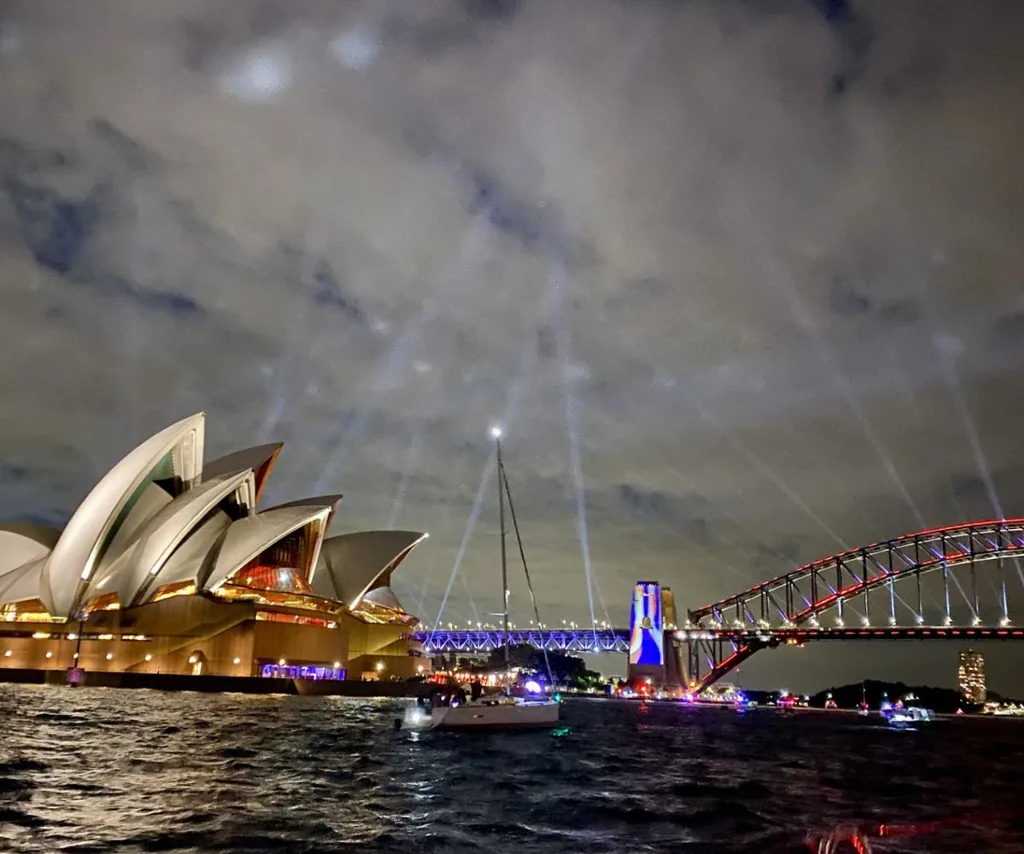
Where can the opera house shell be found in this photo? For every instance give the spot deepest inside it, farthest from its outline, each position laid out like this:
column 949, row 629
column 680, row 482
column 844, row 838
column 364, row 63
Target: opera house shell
column 168, row 566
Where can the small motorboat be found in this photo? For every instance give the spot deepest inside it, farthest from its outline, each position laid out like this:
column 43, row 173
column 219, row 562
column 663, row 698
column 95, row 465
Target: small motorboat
column 899, row 717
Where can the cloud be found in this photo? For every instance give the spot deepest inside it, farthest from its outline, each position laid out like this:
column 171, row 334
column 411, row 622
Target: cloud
column 854, row 33
column 846, row 301
column 317, row 275
column 55, row 228
column 355, row 49
column 687, row 514
column 13, row 472
column 488, row 10
column 260, row 74
column 785, row 236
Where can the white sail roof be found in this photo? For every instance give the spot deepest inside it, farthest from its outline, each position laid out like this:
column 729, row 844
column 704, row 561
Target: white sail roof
column 246, row 538
column 158, row 519
column 26, row 582
column 23, row 542
column 77, row 552
column 351, row 564
column 136, row 569
column 193, row 559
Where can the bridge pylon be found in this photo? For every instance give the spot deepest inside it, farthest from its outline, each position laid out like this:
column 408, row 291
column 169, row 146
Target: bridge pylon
column 654, row 654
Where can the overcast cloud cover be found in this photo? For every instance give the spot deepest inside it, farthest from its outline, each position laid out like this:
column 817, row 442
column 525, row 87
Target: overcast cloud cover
column 760, row 261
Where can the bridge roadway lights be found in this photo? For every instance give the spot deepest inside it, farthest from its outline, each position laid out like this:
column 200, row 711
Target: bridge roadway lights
column 579, row 641
column 775, row 636
column 617, row 640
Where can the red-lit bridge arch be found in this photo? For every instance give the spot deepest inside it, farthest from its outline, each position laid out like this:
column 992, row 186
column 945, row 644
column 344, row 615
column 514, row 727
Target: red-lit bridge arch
column 946, row 583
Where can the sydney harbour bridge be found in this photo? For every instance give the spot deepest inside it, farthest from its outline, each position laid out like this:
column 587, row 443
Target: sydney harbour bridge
column 954, row 583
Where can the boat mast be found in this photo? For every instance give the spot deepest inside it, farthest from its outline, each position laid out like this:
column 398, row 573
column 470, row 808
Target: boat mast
column 526, row 569
column 496, row 433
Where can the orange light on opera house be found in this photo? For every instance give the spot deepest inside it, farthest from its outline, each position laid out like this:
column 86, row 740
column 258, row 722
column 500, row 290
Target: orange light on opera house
column 169, row 566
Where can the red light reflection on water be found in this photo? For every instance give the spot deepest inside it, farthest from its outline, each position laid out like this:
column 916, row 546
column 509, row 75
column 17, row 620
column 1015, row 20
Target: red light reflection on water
column 846, row 839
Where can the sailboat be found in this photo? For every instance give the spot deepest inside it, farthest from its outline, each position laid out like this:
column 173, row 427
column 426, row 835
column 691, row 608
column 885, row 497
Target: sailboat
column 500, row 711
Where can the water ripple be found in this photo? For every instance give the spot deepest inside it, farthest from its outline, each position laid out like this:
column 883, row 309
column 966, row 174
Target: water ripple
column 93, row 771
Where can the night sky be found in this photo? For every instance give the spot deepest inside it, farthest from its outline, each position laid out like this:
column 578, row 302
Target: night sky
column 741, row 279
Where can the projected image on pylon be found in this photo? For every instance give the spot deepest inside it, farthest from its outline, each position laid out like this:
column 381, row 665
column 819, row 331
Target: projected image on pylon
column 646, row 638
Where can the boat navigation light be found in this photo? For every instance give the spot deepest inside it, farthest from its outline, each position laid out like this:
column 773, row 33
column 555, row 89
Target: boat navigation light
column 495, row 431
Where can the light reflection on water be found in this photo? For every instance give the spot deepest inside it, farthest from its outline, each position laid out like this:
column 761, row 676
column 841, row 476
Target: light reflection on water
column 90, row 771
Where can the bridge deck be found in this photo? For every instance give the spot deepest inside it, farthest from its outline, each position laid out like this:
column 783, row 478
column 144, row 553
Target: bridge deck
column 617, row 640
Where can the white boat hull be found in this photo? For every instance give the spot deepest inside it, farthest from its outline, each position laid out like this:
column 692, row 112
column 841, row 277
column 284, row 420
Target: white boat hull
column 907, row 718
column 496, row 716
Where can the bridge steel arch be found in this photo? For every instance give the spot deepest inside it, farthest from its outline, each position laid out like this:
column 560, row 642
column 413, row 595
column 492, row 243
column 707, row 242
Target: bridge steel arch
column 722, row 635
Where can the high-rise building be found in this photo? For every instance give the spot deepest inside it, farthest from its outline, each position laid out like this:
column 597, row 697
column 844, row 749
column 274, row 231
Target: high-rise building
column 971, row 677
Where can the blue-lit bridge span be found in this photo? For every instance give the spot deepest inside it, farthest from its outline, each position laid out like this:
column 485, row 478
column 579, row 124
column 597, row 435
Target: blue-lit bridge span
column 582, row 641
column 556, row 640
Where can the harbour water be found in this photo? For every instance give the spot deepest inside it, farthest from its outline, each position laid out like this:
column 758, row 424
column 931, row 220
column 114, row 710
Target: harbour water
column 91, row 771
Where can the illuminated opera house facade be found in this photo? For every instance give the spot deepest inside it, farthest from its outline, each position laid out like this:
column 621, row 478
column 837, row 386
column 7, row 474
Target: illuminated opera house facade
column 168, row 567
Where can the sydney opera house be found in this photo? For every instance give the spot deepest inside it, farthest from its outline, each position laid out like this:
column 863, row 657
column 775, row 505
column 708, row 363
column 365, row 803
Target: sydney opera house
column 168, row 566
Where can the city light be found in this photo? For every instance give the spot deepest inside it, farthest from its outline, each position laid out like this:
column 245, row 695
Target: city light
column 496, row 431
column 971, row 677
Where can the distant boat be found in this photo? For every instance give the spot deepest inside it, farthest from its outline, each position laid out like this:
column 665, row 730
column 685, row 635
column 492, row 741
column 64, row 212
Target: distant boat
column 906, row 718
column 863, row 709
column 502, row 711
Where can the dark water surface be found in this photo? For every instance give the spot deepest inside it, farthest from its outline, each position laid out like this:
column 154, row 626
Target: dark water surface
column 90, row 771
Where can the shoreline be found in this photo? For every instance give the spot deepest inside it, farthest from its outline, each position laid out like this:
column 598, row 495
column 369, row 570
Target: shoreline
column 256, row 685
column 211, row 684
column 728, row 707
